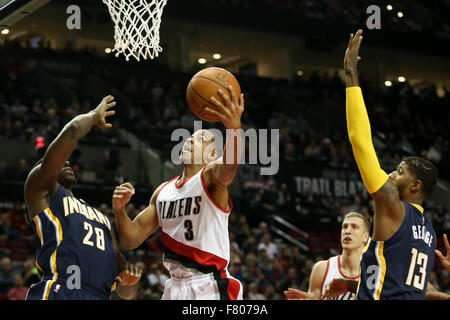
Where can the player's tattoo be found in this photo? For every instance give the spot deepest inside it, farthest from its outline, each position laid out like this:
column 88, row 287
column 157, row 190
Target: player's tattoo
column 389, row 189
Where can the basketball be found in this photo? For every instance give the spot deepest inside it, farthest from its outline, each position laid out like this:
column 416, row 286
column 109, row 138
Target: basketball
column 204, row 85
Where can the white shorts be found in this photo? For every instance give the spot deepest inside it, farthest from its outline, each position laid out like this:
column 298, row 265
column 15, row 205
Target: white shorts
column 203, row 287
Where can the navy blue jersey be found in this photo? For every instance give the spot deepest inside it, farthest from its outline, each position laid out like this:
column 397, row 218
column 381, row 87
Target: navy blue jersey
column 76, row 247
column 399, row 267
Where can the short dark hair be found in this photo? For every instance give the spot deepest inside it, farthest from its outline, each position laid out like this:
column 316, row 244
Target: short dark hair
column 423, row 170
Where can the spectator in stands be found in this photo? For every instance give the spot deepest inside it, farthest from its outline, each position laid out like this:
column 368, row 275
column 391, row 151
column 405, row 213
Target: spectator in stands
column 19, row 291
column 250, row 245
column 22, row 170
column 6, row 275
column 6, row 231
column 253, row 293
column 269, row 202
column 267, row 245
column 17, row 217
column 156, row 277
column 292, row 280
column 263, row 228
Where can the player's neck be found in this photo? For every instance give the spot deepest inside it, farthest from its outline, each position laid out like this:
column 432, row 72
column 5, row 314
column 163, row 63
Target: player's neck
column 413, row 200
column 350, row 260
column 190, row 170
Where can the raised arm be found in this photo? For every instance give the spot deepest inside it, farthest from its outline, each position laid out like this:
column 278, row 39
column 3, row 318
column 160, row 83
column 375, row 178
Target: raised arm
column 222, row 171
column 390, row 210
column 42, row 179
column 133, row 233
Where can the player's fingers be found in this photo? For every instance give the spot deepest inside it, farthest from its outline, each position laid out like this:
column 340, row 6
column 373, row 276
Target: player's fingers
column 128, row 186
column 225, row 97
column 131, row 270
column 210, row 112
column 234, row 98
column 241, row 101
column 439, row 254
column 218, row 104
column 125, row 187
column 350, row 40
column 446, row 243
column 110, row 113
column 358, row 44
column 122, row 190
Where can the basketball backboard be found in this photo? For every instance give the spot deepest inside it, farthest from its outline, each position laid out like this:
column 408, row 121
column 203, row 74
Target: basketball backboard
column 12, row 11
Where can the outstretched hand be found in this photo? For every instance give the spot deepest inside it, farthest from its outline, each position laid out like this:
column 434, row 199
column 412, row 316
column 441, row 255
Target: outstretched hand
column 295, row 294
column 352, row 57
column 102, row 111
column 445, row 260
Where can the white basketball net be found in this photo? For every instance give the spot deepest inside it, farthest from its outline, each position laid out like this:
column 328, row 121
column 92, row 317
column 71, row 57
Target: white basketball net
column 136, row 30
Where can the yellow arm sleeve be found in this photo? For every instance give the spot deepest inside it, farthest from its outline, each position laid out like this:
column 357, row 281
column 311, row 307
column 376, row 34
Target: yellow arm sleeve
column 359, row 133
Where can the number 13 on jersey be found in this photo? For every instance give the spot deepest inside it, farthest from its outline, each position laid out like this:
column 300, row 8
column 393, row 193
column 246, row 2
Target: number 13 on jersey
column 421, row 259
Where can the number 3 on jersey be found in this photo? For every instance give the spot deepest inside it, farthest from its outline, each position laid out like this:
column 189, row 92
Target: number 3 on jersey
column 100, row 236
column 189, row 234
column 421, row 259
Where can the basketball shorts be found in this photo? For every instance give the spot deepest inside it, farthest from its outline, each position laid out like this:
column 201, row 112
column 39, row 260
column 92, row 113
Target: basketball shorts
column 47, row 289
column 209, row 286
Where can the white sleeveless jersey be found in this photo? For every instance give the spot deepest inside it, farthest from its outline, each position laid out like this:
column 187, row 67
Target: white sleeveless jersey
column 334, row 272
column 194, row 228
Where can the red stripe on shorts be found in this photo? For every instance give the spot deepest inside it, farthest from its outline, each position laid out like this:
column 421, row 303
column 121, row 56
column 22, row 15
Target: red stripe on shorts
column 201, row 257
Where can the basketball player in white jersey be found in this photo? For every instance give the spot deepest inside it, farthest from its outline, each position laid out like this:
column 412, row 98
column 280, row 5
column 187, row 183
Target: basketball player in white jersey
column 192, row 213
column 354, row 235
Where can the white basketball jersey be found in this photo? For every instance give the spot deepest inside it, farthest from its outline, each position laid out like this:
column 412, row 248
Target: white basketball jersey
column 334, row 272
column 194, row 228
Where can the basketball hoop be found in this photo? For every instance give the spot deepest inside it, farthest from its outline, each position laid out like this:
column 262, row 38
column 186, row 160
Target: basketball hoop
column 136, row 30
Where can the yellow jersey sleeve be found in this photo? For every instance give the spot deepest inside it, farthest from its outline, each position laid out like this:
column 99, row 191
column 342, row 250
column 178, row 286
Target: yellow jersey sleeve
column 359, row 133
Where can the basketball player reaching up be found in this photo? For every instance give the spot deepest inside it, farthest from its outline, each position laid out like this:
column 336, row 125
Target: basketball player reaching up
column 192, row 213
column 354, row 235
column 397, row 261
column 79, row 256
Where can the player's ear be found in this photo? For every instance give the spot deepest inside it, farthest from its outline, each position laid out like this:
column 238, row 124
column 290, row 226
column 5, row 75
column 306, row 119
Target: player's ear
column 416, row 186
column 212, row 156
